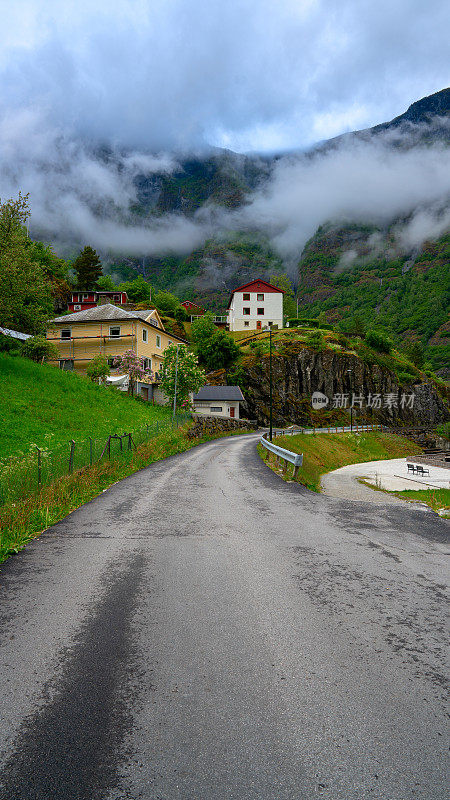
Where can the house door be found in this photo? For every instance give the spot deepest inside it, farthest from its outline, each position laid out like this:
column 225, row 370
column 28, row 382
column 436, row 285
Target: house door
column 231, row 411
column 144, row 392
column 258, row 325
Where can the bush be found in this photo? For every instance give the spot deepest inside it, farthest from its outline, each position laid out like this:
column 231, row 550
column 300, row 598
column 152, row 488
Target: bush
column 39, row 349
column 180, row 314
column 379, row 341
column 98, row 368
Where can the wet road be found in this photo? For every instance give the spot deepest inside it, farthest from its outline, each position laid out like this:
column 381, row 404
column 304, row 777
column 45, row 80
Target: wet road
column 203, row 630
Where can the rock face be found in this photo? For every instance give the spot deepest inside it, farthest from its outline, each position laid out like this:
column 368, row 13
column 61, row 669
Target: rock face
column 297, row 375
column 205, row 425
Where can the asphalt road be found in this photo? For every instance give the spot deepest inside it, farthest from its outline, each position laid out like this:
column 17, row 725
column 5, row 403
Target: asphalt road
column 203, row 630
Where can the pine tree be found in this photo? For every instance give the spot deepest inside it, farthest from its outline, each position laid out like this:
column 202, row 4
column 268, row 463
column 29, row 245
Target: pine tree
column 88, row 268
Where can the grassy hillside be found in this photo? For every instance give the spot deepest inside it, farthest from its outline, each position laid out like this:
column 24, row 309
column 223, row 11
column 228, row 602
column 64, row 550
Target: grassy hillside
column 44, row 406
column 328, row 451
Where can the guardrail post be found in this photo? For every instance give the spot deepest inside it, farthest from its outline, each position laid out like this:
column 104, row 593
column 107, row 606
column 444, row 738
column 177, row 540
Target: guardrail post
column 72, row 450
column 295, row 473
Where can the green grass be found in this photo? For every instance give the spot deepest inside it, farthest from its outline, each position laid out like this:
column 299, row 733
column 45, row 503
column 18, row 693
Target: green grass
column 22, row 521
column 325, row 452
column 435, row 498
column 44, row 406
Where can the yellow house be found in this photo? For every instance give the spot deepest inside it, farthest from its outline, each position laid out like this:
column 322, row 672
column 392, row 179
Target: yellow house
column 110, row 331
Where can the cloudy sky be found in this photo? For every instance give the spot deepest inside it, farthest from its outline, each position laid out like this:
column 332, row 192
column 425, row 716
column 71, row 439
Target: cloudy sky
column 245, row 74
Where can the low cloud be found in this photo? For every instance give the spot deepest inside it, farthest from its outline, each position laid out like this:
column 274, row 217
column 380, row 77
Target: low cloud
column 85, row 195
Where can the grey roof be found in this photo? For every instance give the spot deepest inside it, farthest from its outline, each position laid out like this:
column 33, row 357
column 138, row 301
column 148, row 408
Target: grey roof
column 15, row 334
column 219, row 393
column 98, row 313
column 109, row 312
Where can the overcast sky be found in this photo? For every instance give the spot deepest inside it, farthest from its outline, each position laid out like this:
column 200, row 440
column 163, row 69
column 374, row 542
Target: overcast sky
column 250, row 75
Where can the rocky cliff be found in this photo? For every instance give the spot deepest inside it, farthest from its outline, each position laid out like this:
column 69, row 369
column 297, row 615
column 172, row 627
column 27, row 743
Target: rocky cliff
column 301, row 371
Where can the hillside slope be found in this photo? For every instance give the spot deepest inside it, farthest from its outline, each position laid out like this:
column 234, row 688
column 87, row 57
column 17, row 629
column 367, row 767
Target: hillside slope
column 44, row 406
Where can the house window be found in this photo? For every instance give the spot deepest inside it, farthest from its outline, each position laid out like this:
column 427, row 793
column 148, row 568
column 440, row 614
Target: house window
column 246, row 296
column 246, row 324
column 114, row 332
column 246, row 312
column 85, row 297
column 147, row 364
column 66, row 333
column 117, row 298
column 260, row 312
column 215, row 408
column 158, row 340
column 66, row 364
column 144, row 335
column 260, row 298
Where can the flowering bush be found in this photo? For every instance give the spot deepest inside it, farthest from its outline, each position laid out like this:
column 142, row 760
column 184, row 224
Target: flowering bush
column 182, row 363
column 133, row 366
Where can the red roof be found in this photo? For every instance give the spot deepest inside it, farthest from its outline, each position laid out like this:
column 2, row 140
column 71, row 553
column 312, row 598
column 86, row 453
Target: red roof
column 256, row 286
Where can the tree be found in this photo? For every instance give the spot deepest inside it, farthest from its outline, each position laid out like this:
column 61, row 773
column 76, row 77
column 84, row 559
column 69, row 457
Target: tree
column 133, row 366
column 106, row 284
column 98, row 368
column 283, row 282
column 39, row 349
column 138, row 290
column 215, row 348
column 88, row 268
column 25, row 290
column 415, row 353
column 166, row 302
column 181, row 363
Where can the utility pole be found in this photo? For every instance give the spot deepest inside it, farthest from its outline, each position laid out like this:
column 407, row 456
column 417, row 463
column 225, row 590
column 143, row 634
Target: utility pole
column 175, row 392
column 270, row 379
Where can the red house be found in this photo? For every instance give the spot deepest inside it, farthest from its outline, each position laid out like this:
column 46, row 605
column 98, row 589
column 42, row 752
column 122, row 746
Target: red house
column 193, row 309
column 82, row 300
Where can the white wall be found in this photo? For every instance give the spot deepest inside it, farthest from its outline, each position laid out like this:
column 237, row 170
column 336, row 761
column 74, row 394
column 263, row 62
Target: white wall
column 272, row 305
column 204, row 407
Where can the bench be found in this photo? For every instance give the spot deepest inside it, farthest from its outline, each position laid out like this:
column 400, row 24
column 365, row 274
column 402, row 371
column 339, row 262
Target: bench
column 417, row 469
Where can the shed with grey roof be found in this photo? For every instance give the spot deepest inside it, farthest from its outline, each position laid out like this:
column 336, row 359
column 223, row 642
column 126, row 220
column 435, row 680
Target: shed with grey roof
column 218, row 401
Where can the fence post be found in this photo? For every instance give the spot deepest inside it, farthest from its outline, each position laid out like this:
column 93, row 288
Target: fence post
column 109, row 447
column 90, row 451
column 129, row 441
column 157, row 426
column 121, row 447
column 72, row 450
column 147, row 428
column 39, row 466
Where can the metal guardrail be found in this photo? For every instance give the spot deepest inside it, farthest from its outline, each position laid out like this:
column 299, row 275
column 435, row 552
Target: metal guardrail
column 328, row 429
column 283, row 455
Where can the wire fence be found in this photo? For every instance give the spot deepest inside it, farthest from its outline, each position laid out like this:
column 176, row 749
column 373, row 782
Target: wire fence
column 41, row 467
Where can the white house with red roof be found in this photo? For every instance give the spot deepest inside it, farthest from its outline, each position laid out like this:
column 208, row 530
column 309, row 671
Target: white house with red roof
column 254, row 305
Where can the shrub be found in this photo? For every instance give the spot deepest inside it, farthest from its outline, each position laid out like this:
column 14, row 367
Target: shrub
column 98, row 368
column 39, row 349
column 180, row 314
column 379, row 341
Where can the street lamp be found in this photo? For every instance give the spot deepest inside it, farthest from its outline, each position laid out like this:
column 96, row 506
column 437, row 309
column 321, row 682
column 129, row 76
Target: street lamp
column 350, row 372
column 270, row 377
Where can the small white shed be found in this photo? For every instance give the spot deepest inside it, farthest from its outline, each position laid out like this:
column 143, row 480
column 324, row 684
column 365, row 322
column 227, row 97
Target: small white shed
column 218, row 401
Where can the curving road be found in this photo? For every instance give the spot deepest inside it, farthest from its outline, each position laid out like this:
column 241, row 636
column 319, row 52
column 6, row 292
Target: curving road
column 203, row 630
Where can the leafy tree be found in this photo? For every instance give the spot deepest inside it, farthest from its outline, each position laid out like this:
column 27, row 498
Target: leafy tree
column 98, row 368
column 218, row 352
column 106, row 284
column 181, row 314
column 189, row 376
column 415, row 353
column 138, row 290
column 283, row 282
column 203, row 329
column 39, row 349
column 88, row 268
column 25, row 290
column 355, row 326
column 133, row 366
column 166, row 303
column 215, row 348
